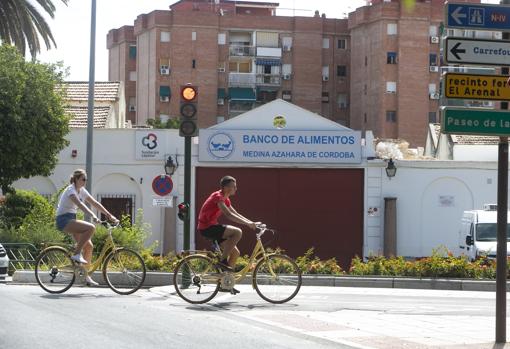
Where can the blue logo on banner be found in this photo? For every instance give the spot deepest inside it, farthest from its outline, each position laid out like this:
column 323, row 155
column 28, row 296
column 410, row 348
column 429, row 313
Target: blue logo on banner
column 220, row 145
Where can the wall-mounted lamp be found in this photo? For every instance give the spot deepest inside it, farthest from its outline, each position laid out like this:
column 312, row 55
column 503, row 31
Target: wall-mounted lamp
column 391, row 170
column 74, row 153
column 170, row 166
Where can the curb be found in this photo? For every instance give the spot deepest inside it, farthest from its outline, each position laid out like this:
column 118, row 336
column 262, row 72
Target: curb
column 154, row 279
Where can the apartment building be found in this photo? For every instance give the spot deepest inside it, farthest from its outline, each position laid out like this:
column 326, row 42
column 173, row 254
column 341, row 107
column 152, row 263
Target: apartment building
column 238, row 53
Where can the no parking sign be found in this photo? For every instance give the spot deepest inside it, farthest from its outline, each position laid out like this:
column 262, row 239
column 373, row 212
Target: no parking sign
column 162, row 185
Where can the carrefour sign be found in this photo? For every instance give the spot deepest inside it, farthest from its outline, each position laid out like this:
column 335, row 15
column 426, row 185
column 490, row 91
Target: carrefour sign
column 329, row 147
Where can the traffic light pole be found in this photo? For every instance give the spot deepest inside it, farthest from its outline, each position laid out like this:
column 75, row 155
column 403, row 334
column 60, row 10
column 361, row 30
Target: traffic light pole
column 187, row 189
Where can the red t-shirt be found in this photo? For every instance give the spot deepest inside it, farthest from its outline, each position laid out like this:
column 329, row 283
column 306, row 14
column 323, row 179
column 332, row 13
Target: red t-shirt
column 210, row 212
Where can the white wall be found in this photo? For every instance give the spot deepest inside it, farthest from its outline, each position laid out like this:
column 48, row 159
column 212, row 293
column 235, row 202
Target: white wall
column 116, row 171
column 431, row 196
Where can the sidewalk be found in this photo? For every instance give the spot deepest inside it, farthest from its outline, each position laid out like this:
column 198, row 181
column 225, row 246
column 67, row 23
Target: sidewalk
column 163, row 279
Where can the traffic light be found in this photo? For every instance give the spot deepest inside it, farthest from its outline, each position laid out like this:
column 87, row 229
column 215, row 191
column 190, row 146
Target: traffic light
column 183, row 213
column 188, row 110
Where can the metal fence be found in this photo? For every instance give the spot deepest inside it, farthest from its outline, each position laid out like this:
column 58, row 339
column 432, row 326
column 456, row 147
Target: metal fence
column 21, row 255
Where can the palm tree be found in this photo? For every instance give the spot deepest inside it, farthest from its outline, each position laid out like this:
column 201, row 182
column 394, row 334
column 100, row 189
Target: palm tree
column 21, row 23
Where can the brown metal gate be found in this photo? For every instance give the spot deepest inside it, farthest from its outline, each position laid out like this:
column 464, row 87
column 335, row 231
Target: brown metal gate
column 320, row 208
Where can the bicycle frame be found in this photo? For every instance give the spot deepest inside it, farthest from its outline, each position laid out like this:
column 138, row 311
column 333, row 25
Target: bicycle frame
column 108, row 247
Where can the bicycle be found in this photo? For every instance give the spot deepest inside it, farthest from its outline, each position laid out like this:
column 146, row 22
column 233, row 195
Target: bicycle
column 276, row 277
column 123, row 268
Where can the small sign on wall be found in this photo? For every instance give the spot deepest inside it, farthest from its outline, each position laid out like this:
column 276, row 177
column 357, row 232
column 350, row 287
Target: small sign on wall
column 446, row 201
column 163, row 201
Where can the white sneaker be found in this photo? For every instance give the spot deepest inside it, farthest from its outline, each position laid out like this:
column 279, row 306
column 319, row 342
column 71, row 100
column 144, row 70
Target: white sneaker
column 90, row 282
column 79, row 258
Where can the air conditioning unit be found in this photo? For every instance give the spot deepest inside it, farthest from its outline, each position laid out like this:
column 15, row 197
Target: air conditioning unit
column 434, row 69
column 164, row 98
column 325, row 78
column 434, row 95
column 490, row 207
column 434, row 39
column 164, row 70
column 221, row 101
column 286, row 48
column 221, row 70
column 286, row 76
column 132, row 108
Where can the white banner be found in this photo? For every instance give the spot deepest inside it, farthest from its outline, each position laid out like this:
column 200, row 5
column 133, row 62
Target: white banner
column 331, row 147
column 150, row 145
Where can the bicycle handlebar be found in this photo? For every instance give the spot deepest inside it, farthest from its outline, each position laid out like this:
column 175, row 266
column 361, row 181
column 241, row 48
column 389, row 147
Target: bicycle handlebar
column 107, row 224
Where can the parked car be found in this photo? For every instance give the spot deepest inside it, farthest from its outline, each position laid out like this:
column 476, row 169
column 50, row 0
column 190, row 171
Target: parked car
column 478, row 233
column 4, row 262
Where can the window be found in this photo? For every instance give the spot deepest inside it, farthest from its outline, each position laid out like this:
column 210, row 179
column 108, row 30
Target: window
column 432, row 88
column 432, row 117
column 132, row 51
column 287, row 69
column 341, row 44
column 325, row 72
column 222, row 38
column 266, row 96
column 342, row 101
column 164, row 93
column 287, row 95
column 132, row 76
column 392, row 28
column 164, row 37
column 132, row 104
column 341, row 70
column 365, row 118
column 391, row 87
column 366, row 61
column 287, row 43
column 432, row 30
column 325, row 43
column 432, row 59
column 391, row 58
column 325, row 97
column 193, row 36
column 365, row 89
column 118, row 204
column 391, row 116
column 193, row 63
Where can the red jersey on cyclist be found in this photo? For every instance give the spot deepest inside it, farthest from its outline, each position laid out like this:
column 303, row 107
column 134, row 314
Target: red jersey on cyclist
column 227, row 236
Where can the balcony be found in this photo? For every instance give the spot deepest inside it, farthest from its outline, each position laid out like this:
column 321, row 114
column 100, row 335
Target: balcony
column 241, row 51
column 275, row 52
column 237, row 107
column 269, row 79
column 241, row 80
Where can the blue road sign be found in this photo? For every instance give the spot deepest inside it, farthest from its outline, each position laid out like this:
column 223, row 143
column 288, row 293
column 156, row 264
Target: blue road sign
column 478, row 16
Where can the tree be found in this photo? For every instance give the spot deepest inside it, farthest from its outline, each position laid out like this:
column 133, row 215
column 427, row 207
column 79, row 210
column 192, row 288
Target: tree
column 21, row 23
column 33, row 122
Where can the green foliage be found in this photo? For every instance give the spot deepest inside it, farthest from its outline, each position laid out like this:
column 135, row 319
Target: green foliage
column 33, row 122
column 170, row 123
column 127, row 235
column 311, row 264
column 27, row 217
column 441, row 263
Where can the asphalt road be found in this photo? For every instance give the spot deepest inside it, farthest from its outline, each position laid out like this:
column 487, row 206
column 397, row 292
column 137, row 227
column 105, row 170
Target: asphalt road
column 319, row 317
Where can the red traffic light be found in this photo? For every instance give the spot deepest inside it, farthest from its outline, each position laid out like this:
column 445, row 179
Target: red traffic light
column 183, row 213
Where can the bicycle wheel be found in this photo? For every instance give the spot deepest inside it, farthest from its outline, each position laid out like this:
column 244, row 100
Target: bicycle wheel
column 277, row 278
column 54, row 270
column 124, row 271
column 197, row 279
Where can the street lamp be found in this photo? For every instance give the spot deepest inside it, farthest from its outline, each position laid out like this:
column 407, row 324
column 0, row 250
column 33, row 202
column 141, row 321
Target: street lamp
column 391, row 170
column 170, row 166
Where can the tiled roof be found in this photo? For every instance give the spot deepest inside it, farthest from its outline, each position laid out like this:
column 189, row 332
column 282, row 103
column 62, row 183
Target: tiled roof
column 79, row 116
column 475, row 140
column 103, row 91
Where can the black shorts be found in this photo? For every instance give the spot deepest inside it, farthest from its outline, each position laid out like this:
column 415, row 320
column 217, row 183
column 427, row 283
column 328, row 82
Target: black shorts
column 214, row 232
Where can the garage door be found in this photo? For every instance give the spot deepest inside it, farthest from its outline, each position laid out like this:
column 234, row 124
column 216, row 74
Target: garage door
column 319, row 208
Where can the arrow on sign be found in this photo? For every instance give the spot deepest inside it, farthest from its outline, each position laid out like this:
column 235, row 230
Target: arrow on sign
column 456, row 15
column 455, row 50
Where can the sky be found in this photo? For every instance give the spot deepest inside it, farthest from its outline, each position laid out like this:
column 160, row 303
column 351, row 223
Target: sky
column 71, row 27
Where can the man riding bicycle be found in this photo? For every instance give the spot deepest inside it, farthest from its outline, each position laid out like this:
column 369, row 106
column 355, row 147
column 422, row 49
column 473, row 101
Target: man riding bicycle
column 227, row 236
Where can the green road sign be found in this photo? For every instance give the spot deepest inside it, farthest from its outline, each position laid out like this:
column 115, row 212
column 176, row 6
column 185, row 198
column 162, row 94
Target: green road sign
column 476, row 122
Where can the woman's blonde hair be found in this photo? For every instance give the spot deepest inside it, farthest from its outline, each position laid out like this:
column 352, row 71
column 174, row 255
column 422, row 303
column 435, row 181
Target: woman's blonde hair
column 76, row 175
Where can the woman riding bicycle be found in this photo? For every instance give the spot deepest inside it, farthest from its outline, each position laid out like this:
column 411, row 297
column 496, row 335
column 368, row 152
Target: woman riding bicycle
column 73, row 197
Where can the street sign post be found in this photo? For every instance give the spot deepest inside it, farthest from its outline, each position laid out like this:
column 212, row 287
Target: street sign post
column 477, row 16
column 477, row 51
column 474, row 86
column 475, row 122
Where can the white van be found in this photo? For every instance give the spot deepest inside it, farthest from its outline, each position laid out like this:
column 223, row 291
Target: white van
column 478, row 233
